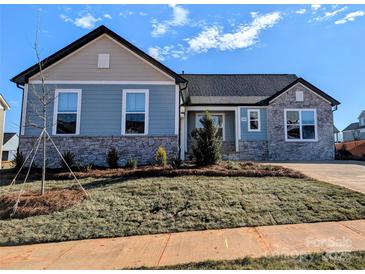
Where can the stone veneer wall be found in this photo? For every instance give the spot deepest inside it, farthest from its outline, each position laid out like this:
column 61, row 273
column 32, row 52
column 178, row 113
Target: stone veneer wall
column 93, row 150
column 253, row 150
column 279, row 149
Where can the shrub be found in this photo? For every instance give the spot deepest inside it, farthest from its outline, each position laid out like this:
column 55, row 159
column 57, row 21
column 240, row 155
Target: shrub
column 112, row 158
column 343, row 153
column 161, row 156
column 18, row 160
column 69, row 158
column 176, row 162
column 131, row 163
column 207, row 142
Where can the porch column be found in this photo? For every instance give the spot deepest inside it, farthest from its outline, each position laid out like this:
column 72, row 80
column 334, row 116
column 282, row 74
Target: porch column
column 238, row 127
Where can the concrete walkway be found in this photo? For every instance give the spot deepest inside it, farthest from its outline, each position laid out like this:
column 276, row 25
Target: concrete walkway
column 178, row 248
column 349, row 174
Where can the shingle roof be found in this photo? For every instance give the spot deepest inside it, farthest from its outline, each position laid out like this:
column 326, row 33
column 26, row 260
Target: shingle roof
column 353, row 126
column 335, row 130
column 8, row 136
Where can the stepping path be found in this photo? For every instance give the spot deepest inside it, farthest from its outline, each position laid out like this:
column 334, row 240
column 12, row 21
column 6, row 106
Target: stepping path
column 185, row 247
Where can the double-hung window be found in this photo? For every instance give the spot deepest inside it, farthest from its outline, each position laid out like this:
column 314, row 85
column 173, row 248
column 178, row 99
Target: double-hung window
column 254, row 120
column 67, row 108
column 218, row 120
column 301, row 125
column 135, row 112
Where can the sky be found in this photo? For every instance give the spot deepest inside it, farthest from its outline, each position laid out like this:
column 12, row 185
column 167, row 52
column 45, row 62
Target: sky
column 324, row 44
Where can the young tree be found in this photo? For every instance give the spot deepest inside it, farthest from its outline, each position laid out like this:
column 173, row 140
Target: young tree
column 206, row 142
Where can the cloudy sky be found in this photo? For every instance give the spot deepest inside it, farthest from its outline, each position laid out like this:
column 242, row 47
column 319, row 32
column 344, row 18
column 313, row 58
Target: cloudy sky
column 322, row 43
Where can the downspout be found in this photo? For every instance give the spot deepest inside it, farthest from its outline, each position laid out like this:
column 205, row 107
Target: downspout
column 182, row 99
column 21, row 112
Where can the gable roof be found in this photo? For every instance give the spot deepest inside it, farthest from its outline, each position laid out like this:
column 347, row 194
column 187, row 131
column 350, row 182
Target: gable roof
column 8, row 136
column 362, row 115
column 235, row 89
column 353, row 126
column 3, row 102
column 23, row 77
column 335, row 130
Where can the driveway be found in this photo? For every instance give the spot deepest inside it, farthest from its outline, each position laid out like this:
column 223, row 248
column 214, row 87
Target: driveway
column 349, row 174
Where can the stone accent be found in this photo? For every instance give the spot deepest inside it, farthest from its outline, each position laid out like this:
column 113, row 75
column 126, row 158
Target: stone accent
column 253, row 150
column 279, row 149
column 93, row 150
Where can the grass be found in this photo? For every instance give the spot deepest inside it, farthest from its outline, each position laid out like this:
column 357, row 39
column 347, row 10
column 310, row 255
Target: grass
column 155, row 205
column 315, row 261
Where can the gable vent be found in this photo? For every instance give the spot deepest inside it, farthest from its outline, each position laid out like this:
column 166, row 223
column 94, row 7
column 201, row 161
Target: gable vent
column 299, row 96
column 103, row 60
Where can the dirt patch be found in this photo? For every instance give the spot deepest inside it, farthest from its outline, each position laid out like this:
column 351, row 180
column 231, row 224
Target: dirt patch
column 31, row 203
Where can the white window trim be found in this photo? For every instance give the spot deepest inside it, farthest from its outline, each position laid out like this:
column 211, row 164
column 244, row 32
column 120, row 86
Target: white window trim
column 300, row 125
column 78, row 112
column 213, row 113
column 258, row 118
column 146, row 110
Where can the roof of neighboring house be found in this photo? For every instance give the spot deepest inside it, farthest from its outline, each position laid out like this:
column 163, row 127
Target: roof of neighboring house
column 362, row 114
column 23, row 77
column 335, row 130
column 3, row 102
column 353, row 126
column 243, row 89
column 8, row 136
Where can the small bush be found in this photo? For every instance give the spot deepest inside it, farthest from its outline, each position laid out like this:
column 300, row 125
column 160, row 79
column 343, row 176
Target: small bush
column 112, row 158
column 176, row 163
column 131, row 163
column 18, row 160
column 343, row 153
column 69, row 158
column 161, row 156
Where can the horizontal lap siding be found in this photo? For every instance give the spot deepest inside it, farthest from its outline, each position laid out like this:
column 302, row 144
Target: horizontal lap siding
column 101, row 109
column 251, row 135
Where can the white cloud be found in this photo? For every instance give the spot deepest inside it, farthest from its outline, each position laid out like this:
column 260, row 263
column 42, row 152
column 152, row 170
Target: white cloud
column 142, row 13
column 245, row 36
column 329, row 14
column 179, row 18
column 86, row 21
column 126, row 13
column 315, row 7
column 301, row 11
column 167, row 51
column 350, row 17
column 107, row 16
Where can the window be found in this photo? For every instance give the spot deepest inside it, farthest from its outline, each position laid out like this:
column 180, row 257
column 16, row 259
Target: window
column 253, row 120
column 300, row 125
column 218, row 120
column 67, row 112
column 103, row 60
column 135, row 112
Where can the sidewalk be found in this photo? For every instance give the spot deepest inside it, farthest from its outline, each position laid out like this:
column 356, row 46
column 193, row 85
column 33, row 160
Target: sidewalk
column 184, row 247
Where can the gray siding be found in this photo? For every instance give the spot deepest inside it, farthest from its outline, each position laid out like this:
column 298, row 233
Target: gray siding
column 349, row 136
column 229, row 123
column 252, row 135
column 82, row 65
column 101, row 109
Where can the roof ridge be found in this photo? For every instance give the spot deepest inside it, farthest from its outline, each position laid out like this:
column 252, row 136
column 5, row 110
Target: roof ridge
column 266, row 74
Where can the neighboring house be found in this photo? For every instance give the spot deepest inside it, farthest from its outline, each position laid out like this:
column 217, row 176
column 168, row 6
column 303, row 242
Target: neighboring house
column 355, row 131
column 337, row 135
column 108, row 93
column 4, row 106
column 10, row 146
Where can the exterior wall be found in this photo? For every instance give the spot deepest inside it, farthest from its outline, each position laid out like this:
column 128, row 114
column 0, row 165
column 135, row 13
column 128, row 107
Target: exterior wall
column 11, row 147
column 253, row 150
column 83, row 65
column 2, row 124
column 279, row 149
column 253, row 135
column 349, row 136
column 101, row 109
column 93, row 150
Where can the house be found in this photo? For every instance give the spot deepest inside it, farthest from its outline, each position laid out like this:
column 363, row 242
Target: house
column 337, row 135
column 10, row 146
column 4, row 106
column 355, row 131
column 108, row 93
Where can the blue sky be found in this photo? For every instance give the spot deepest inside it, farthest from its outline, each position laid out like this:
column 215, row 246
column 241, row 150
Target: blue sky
column 324, row 44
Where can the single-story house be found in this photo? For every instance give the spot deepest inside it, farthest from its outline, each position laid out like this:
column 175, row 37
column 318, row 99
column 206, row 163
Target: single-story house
column 4, row 106
column 108, row 93
column 355, row 131
column 10, row 146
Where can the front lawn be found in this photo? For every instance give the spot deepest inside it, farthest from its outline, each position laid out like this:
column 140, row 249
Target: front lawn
column 155, row 205
column 316, row 261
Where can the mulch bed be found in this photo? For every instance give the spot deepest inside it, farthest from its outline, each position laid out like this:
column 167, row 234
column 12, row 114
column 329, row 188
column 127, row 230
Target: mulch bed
column 230, row 169
column 31, row 203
